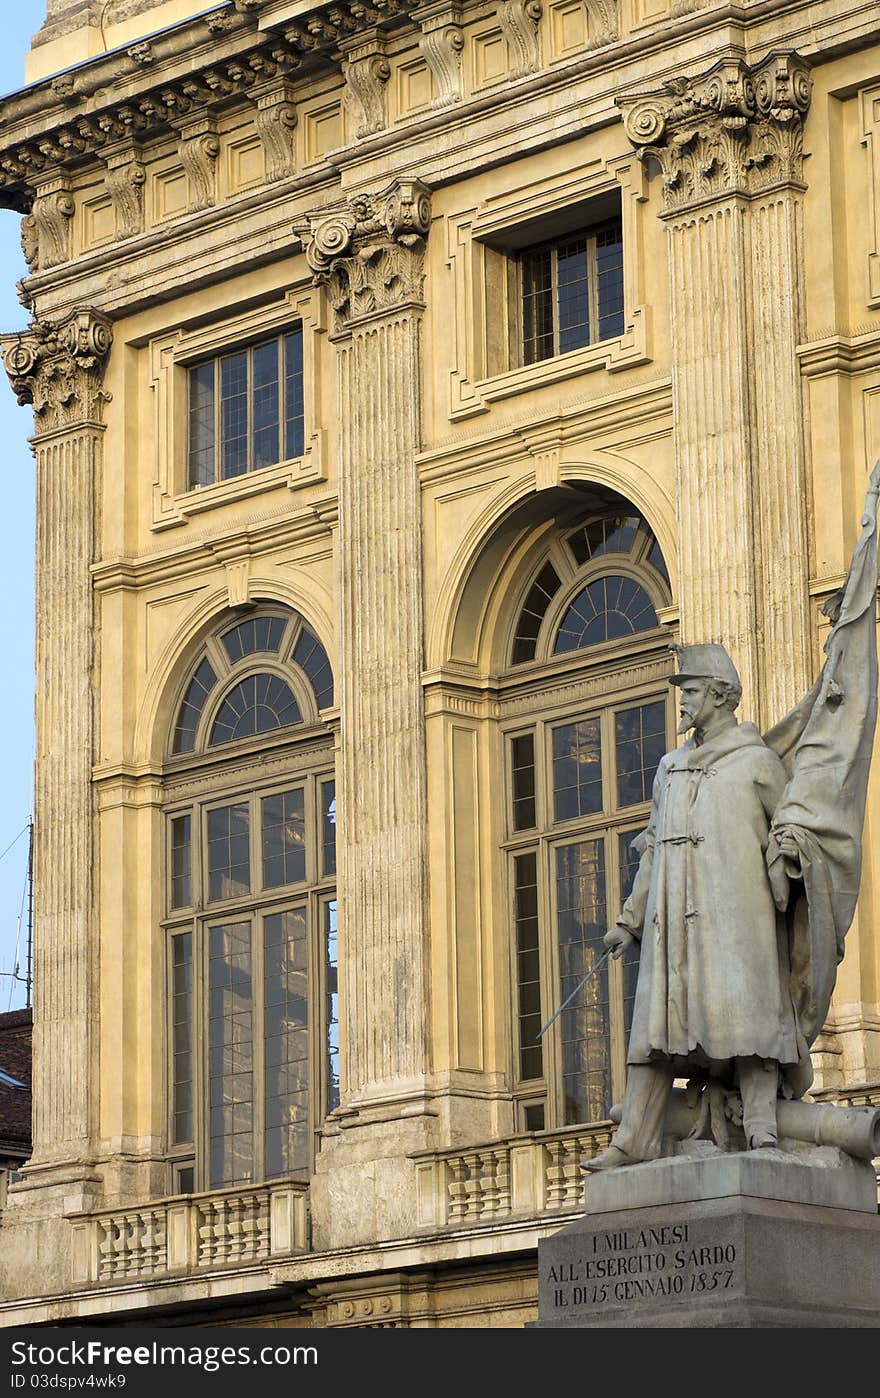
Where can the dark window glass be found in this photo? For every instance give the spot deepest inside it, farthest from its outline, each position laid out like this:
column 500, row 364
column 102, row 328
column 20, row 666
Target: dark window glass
column 261, row 633
column 577, row 769
column 256, row 704
column 181, row 1039
column 286, row 1031
column 229, row 858
column 231, row 1055
column 607, row 534
column 537, row 275
column 311, row 657
column 534, row 1116
column 572, row 292
column 233, row 415
column 609, row 277
column 186, row 1179
column 573, row 297
column 656, row 559
column 628, row 860
column 200, row 687
column 294, row 421
column 181, row 861
column 201, row 425
column 522, row 761
column 584, row 1032
column 640, row 741
column 284, row 838
column 534, row 609
column 265, row 425
column 332, row 1004
column 607, row 609
column 328, row 827
column 528, row 965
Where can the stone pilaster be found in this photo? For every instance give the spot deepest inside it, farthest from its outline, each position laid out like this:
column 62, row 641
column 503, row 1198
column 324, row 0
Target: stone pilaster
column 58, row 368
column 369, row 255
column 730, row 152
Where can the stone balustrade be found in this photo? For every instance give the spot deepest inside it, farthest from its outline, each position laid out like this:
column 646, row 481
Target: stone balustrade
column 220, row 1228
column 525, row 1175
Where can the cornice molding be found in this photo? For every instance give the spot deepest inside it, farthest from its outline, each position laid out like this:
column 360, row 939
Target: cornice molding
column 59, row 369
column 737, row 130
column 369, row 252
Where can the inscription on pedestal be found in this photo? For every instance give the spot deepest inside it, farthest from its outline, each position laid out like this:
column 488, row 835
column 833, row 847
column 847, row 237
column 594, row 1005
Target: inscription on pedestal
column 591, row 1272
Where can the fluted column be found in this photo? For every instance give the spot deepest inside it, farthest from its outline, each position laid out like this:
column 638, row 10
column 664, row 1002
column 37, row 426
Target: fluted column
column 59, row 369
column 370, row 257
column 729, row 149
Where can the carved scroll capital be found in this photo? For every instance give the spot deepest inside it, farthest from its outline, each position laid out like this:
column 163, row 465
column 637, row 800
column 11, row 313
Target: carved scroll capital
column 369, row 253
column 737, row 130
column 58, row 367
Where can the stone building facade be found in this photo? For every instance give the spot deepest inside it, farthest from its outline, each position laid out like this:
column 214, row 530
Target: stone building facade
column 405, row 377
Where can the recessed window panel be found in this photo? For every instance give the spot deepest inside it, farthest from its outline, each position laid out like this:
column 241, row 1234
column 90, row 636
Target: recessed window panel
column 181, row 861
column 572, row 292
column 581, row 925
column 522, row 764
column 328, row 827
column 577, row 769
column 284, row 838
column 229, row 860
column 265, row 406
column 181, row 1039
column 294, row 421
column 640, row 741
column 256, row 704
column 233, row 415
column 607, row 609
column 528, row 965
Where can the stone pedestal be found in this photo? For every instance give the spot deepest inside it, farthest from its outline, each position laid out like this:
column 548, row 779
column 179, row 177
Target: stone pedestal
column 761, row 1239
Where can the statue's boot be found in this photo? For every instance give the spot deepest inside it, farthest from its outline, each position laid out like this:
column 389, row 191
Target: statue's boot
column 608, row 1159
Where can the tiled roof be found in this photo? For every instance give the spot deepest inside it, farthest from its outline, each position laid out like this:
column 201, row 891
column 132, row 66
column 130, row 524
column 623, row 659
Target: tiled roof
column 15, row 1060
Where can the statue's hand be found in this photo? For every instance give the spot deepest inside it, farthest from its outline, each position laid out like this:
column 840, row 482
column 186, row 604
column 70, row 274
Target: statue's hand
column 789, row 848
column 617, row 939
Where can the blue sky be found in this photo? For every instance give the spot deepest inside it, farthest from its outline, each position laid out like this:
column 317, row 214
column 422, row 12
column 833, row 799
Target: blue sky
column 20, row 21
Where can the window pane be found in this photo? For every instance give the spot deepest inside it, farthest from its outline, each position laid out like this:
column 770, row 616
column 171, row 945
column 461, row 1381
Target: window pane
column 181, row 1044
column 538, row 599
column 609, row 265
column 606, row 610
column 294, row 421
column 311, row 657
column 262, row 633
column 332, row 1010
column 229, row 864
column 181, row 862
column 584, row 1031
column 573, row 302
column 640, row 740
column 233, row 415
column 328, row 827
column 522, row 761
column 201, row 425
column 537, row 305
column 256, row 704
column 628, row 860
column 577, row 769
column 200, row 687
column 231, row 1055
column 264, row 405
column 286, row 995
column 609, row 534
column 528, row 978
column 284, row 838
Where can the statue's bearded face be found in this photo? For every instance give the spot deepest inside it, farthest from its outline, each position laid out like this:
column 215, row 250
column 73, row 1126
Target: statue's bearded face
column 697, row 701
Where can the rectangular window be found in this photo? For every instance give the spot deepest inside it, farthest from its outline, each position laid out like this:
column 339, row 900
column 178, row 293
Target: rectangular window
column 522, row 761
column 229, row 858
column 640, row 742
column 181, row 862
column 528, row 965
column 286, row 1030
column 577, row 769
column 284, row 838
column 231, row 1055
column 246, row 410
column 572, row 291
column 581, row 925
column 328, row 827
column 181, row 1039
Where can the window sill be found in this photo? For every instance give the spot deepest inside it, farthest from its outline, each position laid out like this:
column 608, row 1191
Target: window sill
column 624, row 352
column 171, row 510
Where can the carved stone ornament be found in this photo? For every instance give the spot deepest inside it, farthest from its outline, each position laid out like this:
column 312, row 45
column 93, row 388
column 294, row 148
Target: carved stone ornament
column 59, row 368
column 126, row 178
column 519, row 20
column 370, row 253
column 738, row 130
column 198, row 148
column 604, row 22
column 366, row 74
column 442, row 43
column 276, row 122
column 52, row 211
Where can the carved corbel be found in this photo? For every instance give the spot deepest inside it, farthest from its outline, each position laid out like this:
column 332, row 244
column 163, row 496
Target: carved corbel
column 519, row 20
column 126, row 178
column 59, row 369
column 52, row 212
column 442, row 43
column 199, row 147
column 604, row 25
column 276, row 123
column 366, row 71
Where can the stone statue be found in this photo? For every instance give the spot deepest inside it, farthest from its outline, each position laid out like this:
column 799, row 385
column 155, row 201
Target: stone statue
column 748, row 881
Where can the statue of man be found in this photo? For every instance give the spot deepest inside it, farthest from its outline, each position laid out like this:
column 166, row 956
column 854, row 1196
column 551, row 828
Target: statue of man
column 748, row 878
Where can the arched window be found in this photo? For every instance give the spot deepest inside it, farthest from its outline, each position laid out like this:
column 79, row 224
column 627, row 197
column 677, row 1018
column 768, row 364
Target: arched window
column 588, row 705
column 250, row 905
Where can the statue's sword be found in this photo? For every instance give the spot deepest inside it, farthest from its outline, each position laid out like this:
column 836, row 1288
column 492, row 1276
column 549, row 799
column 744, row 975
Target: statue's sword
column 567, row 1001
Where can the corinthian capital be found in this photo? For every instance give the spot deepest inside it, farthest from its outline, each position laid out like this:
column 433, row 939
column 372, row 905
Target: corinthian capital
column 59, row 368
column 736, row 130
column 369, row 252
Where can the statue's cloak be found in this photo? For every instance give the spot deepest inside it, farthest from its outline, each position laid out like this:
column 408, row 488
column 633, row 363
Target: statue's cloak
column 826, row 744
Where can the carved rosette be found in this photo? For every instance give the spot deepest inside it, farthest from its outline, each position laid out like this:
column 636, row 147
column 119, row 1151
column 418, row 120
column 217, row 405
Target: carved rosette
column 370, row 254
column 59, row 369
column 738, row 130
